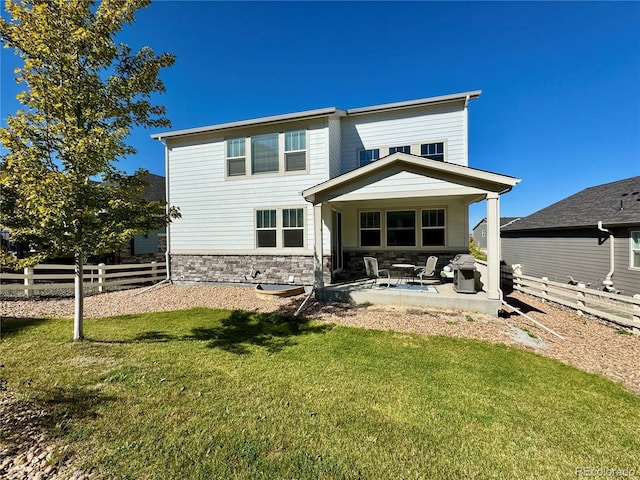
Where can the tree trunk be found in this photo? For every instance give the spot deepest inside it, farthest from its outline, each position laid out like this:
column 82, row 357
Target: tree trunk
column 78, row 333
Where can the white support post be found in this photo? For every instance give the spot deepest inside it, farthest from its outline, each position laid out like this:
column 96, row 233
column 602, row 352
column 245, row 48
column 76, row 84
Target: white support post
column 543, row 291
column 493, row 247
column 28, row 280
column 102, row 272
column 154, row 271
column 318, row 264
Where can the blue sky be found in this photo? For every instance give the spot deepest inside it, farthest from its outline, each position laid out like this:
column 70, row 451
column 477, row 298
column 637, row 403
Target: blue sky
column 560, row 107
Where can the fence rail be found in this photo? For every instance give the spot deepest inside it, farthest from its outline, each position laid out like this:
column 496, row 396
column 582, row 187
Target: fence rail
column 620, row 309
column 99, row 276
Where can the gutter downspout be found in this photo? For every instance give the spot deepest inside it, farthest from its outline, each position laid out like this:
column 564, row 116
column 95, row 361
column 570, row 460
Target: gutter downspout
column 607, row 282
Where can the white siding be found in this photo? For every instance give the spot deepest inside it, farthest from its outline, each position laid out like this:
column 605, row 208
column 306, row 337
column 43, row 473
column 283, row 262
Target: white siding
column 335, row 163
column 407, row 127
column 218, row 213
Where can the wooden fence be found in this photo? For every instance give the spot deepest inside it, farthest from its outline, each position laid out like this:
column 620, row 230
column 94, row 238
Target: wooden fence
column 620, row 309
column 61, row 277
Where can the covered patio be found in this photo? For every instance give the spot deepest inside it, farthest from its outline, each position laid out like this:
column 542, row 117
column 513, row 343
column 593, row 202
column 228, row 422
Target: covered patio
column 402, row 209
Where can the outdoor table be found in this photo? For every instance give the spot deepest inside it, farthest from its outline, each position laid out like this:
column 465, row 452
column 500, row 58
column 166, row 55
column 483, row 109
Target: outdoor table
column 405, row 269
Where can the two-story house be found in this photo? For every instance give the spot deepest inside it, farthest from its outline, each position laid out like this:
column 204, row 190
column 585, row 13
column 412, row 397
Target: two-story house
column 305, row 196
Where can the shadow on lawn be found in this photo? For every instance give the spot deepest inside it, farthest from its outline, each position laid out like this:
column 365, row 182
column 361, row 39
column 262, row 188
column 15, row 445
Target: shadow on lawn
column 269, row 330
column 240, row 329
column 11, row 325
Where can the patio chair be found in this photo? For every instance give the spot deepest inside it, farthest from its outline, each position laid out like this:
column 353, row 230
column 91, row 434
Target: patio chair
column 429, row 270
column 373, row 272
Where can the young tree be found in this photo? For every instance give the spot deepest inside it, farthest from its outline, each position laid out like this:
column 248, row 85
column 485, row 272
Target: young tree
column 61, row 190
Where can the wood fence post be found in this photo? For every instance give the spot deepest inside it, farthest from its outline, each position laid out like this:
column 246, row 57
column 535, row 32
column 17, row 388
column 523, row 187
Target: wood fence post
column 636, row 315
column 581, row 298
column 28, row 280
column 154, row 271
column 544, row 291
column 102, row 271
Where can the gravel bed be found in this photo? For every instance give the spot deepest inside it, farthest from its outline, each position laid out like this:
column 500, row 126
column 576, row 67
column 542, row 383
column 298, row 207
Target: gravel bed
column 589, row 344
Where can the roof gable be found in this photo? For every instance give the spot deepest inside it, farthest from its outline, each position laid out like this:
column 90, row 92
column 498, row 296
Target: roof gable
column 615, row 203
column 394, row 164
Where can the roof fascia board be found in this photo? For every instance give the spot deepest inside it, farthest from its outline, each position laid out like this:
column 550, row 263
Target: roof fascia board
column 289, row 117
column 457, row 97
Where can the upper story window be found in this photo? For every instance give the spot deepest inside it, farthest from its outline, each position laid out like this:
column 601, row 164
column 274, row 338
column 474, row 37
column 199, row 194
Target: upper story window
column 236, row 159
column 368, row 156
column 433, row 151
column 404, row 149
column 635, row 249
column 268, row 153
column 264, row 154
column 295, row 151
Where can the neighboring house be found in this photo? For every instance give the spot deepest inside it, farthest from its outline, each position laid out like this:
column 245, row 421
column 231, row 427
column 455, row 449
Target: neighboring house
column 304, row 196
column 567, row 239
column 149, row 245
column 480, row 230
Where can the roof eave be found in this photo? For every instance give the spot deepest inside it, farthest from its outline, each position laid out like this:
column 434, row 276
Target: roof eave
column 289, row 117
column 456, row 97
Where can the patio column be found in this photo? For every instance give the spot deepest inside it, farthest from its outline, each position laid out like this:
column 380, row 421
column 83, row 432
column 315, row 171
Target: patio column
column 317, row 248
column 493, row 247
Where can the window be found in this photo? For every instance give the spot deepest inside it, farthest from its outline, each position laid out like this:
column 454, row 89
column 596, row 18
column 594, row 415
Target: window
column 264, row 154
column 433, row 151
column 266, row 228
column 405, row 149
column 370, row 229
column 433, row 228
column 235, row 157
column 295, row 151
column 401, row 229
column 368, row 156
column 635, row 249
column 293, row 227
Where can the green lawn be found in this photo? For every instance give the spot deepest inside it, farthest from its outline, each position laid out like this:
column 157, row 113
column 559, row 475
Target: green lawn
column 217, row 394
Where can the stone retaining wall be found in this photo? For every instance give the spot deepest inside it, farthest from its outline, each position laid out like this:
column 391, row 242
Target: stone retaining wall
column 274, row 269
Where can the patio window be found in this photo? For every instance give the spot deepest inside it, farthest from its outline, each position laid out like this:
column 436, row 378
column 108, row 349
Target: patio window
column 293, row 227
column 401, row 228
column 264, row 154
column 433, row 151
column 635, row 249
column 236, row 157
column 368, row 156
column 295, row 151
column 433, row 228
column 266, row 228
column 404, row 149
column 370, row 229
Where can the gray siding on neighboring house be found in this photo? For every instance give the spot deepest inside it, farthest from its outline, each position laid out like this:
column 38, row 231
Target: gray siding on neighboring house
column 625, row 278
column 582, row 253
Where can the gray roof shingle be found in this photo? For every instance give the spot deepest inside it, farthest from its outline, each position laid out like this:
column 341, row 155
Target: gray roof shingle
column 615, row 203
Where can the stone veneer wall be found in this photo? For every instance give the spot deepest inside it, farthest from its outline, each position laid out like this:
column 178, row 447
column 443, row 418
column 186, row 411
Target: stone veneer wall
column 274, row 269
column 354, row 263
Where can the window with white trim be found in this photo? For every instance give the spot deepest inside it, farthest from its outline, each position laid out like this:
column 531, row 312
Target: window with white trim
column 266, row 228
column 401, row 228
column 292, row 227
column 236, row 159
column 265, row 156
column 433, row 151
column 403, row 149
column 433, row 228
column 368, row 156
column 370, row 231
column 635, row 249
column 295, row 151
